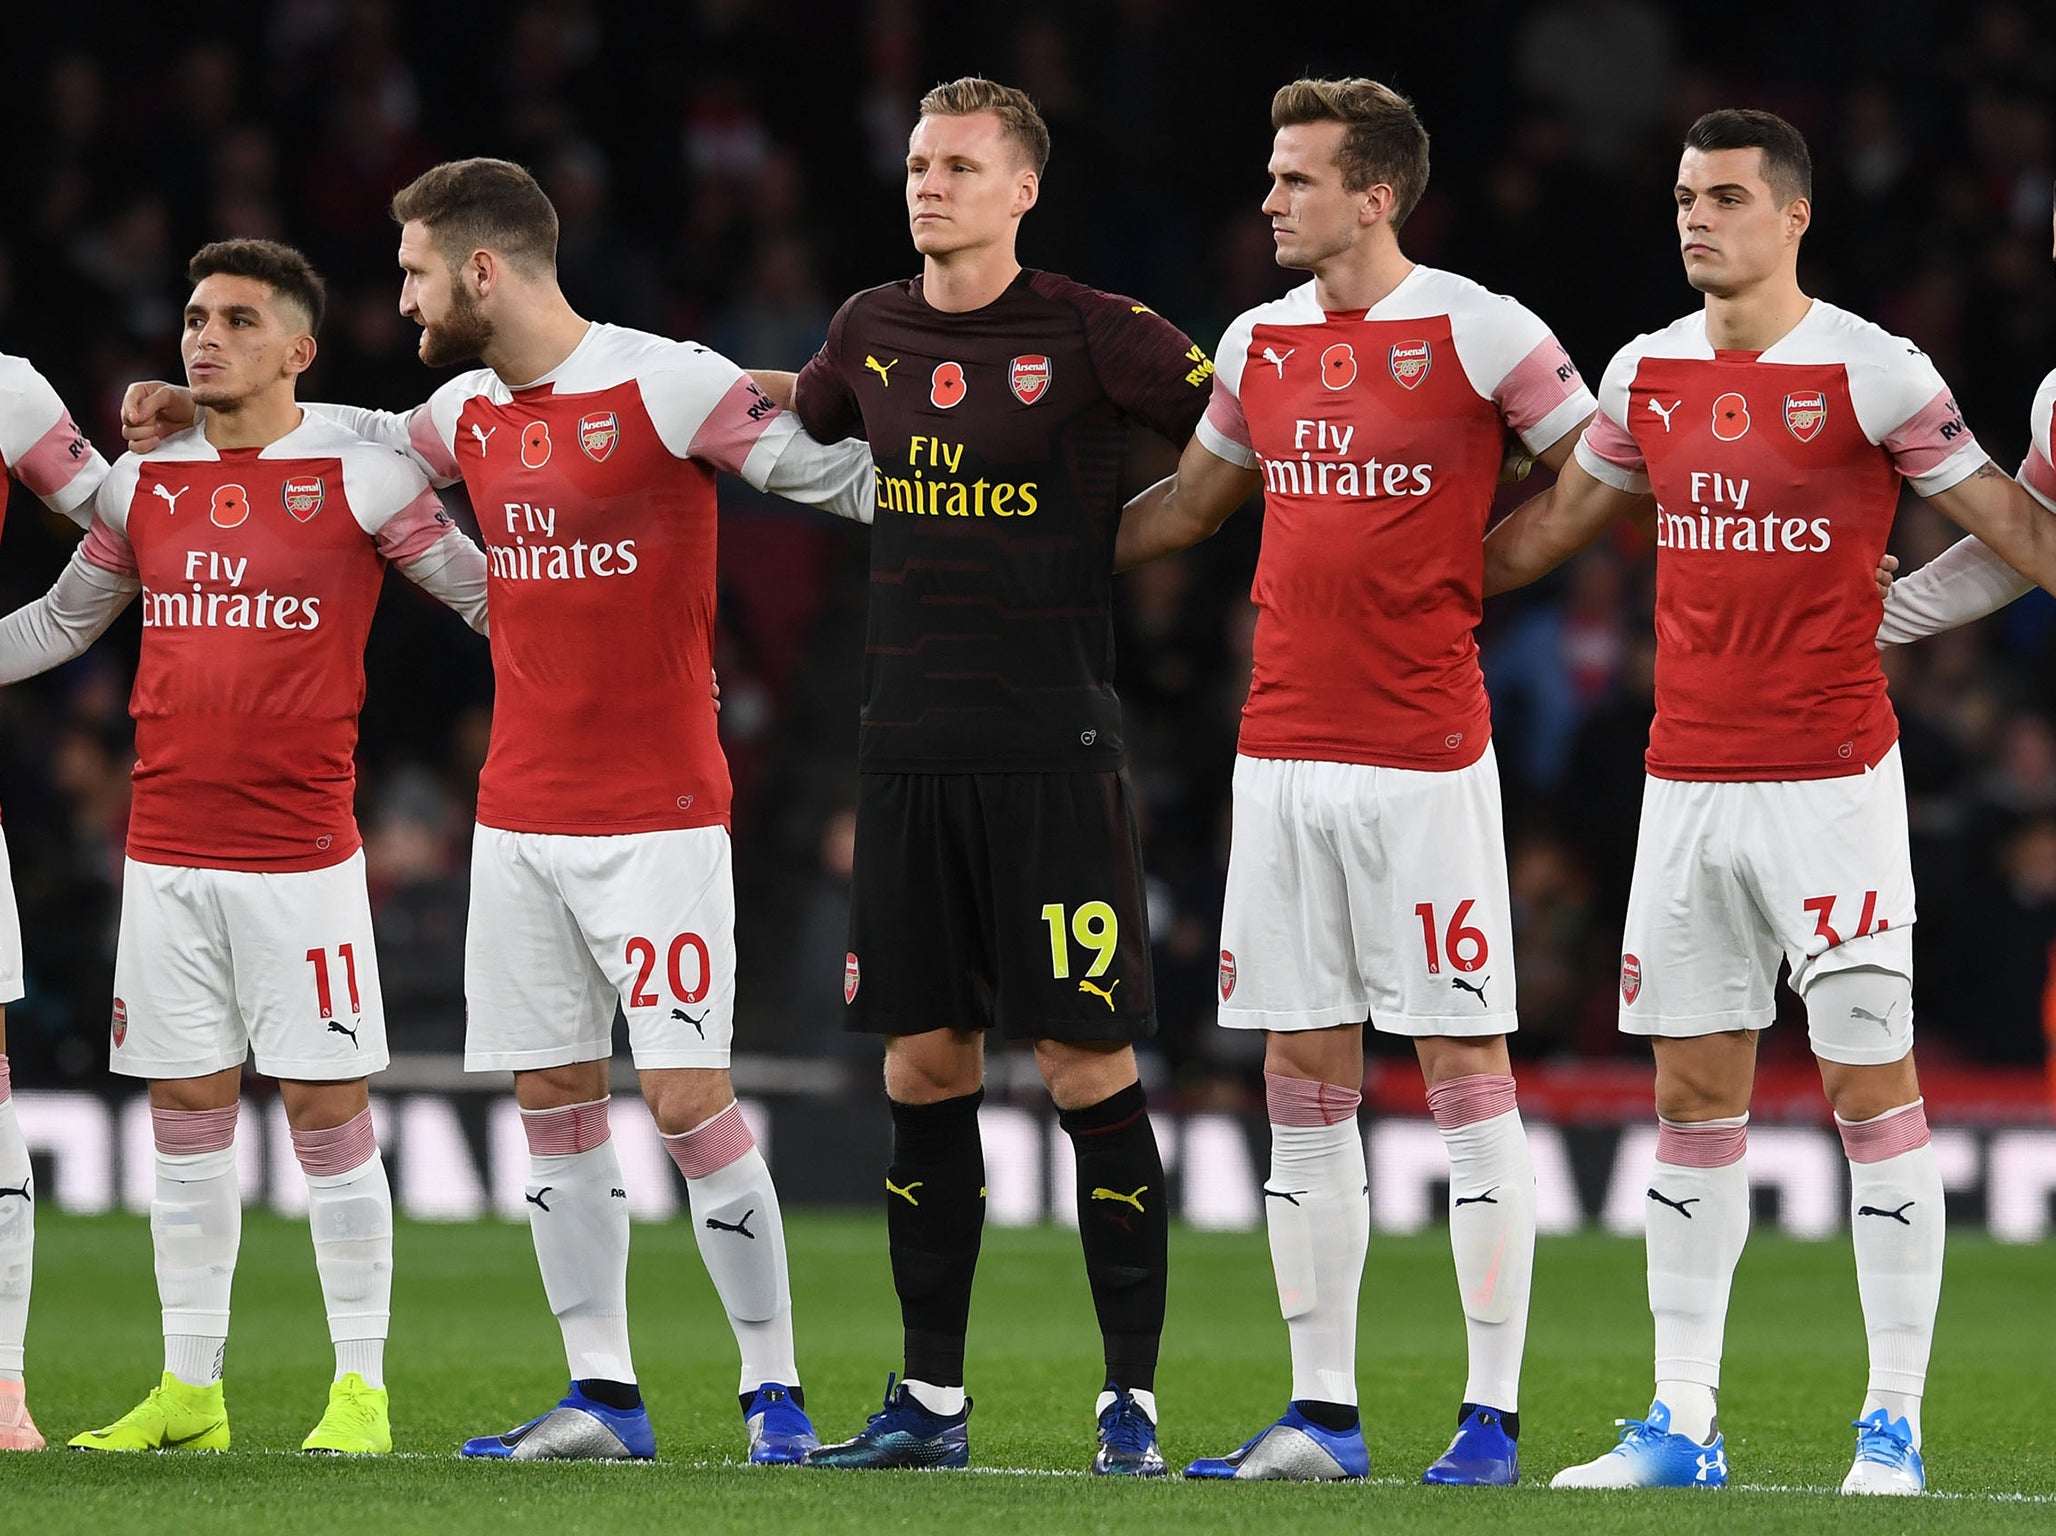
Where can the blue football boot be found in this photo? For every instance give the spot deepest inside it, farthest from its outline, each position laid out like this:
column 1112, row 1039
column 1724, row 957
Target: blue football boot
column 1650, row 1456
column 577, row 1429
column 780, row 1432
column 1483, row 1454
column 1294, row 1450
column 902, row 1434
column 1127, row 1435
column 1886, row 1461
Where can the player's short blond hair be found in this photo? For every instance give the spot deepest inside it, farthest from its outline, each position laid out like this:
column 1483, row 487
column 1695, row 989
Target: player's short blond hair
column 1017, row 115
column 482, row 205
column 1384, row 141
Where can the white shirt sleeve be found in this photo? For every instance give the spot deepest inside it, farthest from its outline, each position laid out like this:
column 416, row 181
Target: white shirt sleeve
column 427, row 434
column 1516, row 362
column 1964, row 582
column 704, row 407
column 1224, row 431
column 42, row 446
column 1608, row 452
column 1904, row 407
column 60, row 624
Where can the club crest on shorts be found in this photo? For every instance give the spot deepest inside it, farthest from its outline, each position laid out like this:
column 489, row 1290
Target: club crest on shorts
column 1806, row 412
column 1028, row 378
column 1631, row 979
column 1408, row 360
column 303, row 495
column 1227, row 974
column 598, row 433
column 849, row 978
column 120, row 1021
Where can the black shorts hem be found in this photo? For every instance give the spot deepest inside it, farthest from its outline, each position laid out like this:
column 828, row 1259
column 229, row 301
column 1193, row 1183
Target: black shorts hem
column 1115, row 1031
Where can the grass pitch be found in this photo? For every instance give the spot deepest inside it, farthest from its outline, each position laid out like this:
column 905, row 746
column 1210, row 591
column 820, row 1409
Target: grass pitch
column 474, row 1350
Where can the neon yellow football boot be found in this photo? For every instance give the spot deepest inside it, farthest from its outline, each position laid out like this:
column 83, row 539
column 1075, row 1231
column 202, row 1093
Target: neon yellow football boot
column 357, row 1422
column 174, row 1417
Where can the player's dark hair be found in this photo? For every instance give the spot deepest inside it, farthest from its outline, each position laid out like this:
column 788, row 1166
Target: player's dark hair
column 290, row 275
column 1384, row 142
column 1016, row 113
column 483, row 205
column 1787, row 164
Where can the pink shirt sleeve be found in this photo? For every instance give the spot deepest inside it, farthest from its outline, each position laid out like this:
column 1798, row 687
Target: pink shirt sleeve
column 109, row 550
column 732, row 427
column 414, row 530
column 1539, row 386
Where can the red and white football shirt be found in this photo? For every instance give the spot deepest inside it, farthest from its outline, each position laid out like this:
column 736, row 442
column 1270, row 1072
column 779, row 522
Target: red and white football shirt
column 41, row 446
column 1380, row 436
column 594, row 489
column 1776, row 476
column 260, row 568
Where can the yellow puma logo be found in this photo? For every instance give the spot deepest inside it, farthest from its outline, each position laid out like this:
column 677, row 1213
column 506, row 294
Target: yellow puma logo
column 906, row 1194
column 1107, row 995
column 1103, row 1193
column 881, row 369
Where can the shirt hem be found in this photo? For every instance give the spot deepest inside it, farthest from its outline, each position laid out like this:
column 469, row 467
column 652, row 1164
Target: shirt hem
column 338, row 853
column 581, row 828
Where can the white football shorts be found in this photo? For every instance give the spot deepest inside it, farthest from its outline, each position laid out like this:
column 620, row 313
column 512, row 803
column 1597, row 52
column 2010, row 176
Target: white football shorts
column 1357, row 891
column 213, row 965
column 564, row 929
column 1731, row 877
column 11, row 988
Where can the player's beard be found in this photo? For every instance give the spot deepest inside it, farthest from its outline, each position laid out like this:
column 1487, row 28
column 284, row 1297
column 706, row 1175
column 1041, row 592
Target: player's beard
column 463, row 334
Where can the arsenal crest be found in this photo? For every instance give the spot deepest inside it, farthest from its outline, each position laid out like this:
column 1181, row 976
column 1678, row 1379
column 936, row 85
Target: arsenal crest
column 1408, row 360
column 849, row 978
column 1631, row 978
column 120, row 1021
column 1028, row 377
column 1806, row 412
column 1227, row 975
column 598, row 433
column 303, row 495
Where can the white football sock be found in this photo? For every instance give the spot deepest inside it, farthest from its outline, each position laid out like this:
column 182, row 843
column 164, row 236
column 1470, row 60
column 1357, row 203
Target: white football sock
column 1696, row 1217
column 1319, row 1217
column 350, row 1213
column 578, row 1216
column 17, row 1233
column 196, row 1230
column 1491, row 1228
column 742, row 1239
column 1897, row 1220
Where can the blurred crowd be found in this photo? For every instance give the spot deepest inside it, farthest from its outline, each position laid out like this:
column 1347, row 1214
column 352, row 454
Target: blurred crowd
column 729, row 171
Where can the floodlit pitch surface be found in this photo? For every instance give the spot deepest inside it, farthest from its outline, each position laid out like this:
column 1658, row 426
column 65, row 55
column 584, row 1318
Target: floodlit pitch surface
column 474, row 1350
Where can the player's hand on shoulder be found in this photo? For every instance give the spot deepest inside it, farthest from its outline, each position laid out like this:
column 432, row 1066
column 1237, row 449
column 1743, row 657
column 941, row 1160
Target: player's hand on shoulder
column 1517, row 464
column 153, row 410
column 1886, row 565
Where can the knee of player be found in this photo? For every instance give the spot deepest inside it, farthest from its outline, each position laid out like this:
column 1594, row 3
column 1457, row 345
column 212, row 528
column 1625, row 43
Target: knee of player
column 683, row 1098
column 1705, row 1077
column 1082, row 1074
column 929, row 1068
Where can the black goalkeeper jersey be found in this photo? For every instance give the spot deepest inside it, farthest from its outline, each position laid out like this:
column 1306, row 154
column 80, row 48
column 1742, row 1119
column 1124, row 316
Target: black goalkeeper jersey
column 999, row 436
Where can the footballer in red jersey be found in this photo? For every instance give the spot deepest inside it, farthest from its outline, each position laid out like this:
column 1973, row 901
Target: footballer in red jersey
column 1774, row 433
column 1367, row 877
column 258, row 543
column 43, row 448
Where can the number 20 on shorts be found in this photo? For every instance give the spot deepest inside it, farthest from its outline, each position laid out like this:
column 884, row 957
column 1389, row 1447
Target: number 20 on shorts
column 1465, row 946
column 642, row 954
column 1095, row 925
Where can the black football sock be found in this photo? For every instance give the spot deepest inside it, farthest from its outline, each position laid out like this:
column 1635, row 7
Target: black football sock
column 1338, row 1417
column 611, row 1394
column 934, row 1220
column 1124, row 1224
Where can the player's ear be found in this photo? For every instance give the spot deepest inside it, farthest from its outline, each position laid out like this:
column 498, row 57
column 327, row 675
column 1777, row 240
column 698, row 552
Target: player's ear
column 482, row 272
column 1026, row 190
column 1798, row 217
column 1378, row 202
column 300, row 355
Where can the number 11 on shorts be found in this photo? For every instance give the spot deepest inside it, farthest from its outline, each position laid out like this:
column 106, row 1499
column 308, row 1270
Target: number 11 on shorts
column 318, row 958
column 1466, row 946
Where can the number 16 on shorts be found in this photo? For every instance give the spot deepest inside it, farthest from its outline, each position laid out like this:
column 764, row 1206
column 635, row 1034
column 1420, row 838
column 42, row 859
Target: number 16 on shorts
column 1464, row 947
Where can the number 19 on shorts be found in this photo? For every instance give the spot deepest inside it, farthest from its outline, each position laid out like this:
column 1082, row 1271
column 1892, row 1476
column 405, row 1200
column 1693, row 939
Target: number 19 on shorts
column 1096, row 927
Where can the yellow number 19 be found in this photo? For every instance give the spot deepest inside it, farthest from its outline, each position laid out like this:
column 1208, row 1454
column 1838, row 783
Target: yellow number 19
column 1094, row 925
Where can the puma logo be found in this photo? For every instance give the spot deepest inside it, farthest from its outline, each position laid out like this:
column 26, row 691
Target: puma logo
column 23, row 1192
column 169, row 497
column 1479, row 989
column 1862, row 1210
column 536, row 1199
column 1664, row 411
column 1271, row 356
column 1676, row 1205
column 906, row 1194
column 742, row 1226
column 680, row 1013
column 482, row 433
column 1103, row 1193
column 881, row 369
column 338, row 1029
column 1484, row 1199
column 1864, row 1013
column 1289, row 1196
column 1106, row 995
